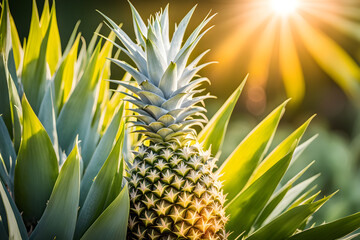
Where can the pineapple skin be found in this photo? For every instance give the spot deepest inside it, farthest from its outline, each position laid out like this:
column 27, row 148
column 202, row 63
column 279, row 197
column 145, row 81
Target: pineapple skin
column 174, row 194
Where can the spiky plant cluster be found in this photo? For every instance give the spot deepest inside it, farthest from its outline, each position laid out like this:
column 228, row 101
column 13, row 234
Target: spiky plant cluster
column 173, row 190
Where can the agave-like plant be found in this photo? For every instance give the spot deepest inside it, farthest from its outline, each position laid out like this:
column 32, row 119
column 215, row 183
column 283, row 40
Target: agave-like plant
column 61, row 136
column 57, row 113
column 175, row 191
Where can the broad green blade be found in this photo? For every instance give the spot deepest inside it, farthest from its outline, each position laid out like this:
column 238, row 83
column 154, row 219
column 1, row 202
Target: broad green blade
column 286, row 224
column 48, row 118
column 59, row 218
column 5, row 109
column 96, row 199
column 279, row 195
column 116, row 183
column 34, row 69
column 332, row 230
column 76, row 114
column 282, row 149
column 291, row 196
column 36, row 167
column 5, row 46
column 64, row 78
column 16, row 44
column 112, row 223
column 239, row 166
column 4, row 176
column 213, row 134
column 53, row 52
column 16, row 227
column 6, row 148
column 101, row 154
column 249, row 203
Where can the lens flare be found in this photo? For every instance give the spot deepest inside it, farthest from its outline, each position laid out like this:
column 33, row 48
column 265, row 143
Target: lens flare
column 284, row 7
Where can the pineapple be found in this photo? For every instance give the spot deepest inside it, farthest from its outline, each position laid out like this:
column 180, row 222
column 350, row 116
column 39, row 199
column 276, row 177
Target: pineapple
column 173, row 189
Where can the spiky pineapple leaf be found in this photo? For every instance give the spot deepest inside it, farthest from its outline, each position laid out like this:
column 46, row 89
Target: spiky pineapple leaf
column 34, row 68
column 213, row 134
column 6, row 148
column 253, row 198
column 287, row 223
column 101, row 153
column 53, row 52
column 16, row 44
column 64, row 77
column 4, row 45
column 279, row 195
column 291, row 196
column 239, row 166
column 77, row 112
column 47, row 116
column 16, row 227
column 332, row 230
column 36, row 167
column 59, row 218
column 96, row 198
column 4, row 176
column 282, row 149
column 112, row 223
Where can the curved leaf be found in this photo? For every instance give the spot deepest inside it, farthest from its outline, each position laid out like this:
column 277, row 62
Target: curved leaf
column 239, row 166
column 214, row 132
column 36, row 166
column 16, row 227
column 332, row 230
column 59, row 218
column 96, row 199
column 112, row 223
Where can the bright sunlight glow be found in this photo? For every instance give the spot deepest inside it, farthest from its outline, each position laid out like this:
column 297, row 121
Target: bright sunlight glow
column 284, row 7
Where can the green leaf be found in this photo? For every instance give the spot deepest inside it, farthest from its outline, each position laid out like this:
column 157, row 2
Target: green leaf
column 154, row 62
column 213, row 134
column 48, row 118
column 239, row 166
column 117, row 181
column 76, row 115
column 253, row 198
column 282, row 149
column 279, row 195
column 332, row 230
column 101, row 154
column 35, row 70
column 16, row 44
column 96, row 199
column 286, row 224
column 53, row 53
column 16, row 227
column 36, row 166
column 290, row 197
column 59, row 218
column 64, row 77
column 4, row 176
column 112, row 223
column 6, row 148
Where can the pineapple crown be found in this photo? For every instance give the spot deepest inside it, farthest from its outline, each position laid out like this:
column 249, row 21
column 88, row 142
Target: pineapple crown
column 166, row 83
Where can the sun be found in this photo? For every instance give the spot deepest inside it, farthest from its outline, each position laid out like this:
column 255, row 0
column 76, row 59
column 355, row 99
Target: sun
column 284, row 7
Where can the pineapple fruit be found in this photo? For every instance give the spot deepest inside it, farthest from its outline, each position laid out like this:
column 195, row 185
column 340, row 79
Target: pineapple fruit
column 173, row 189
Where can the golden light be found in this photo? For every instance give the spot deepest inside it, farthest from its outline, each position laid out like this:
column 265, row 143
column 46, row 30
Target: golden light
column 274, row 38
column 284, row 7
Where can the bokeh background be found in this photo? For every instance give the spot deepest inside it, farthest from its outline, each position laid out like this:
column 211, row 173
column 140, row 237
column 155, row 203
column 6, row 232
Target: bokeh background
column 311, row 55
